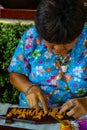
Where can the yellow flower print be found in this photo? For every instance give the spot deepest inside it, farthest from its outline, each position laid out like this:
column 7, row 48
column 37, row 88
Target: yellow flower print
column 20, row 57
column 48, row 69
column 68, row 77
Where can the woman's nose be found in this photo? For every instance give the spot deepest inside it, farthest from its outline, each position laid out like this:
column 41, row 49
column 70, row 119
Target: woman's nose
column 56, row 48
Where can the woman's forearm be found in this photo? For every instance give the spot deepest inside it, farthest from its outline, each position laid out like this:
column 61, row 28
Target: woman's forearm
column 19, row 81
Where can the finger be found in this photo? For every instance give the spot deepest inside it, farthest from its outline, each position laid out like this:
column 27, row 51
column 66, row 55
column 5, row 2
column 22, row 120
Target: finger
column 47, row 104
column 29, row 102
column 66, row 106
column 35, row 103
column 76, row 115
column 43, row 101
column 80, row 111
column 72, row 111
column 28, row 99
column 75, row 112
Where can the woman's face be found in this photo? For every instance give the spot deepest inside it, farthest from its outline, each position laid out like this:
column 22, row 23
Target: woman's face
column 60, row 49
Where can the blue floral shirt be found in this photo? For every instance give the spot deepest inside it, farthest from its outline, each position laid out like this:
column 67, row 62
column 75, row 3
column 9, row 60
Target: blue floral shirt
column 33, row 59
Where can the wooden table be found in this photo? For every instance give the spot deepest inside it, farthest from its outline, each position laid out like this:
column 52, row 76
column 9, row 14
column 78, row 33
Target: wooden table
column 22, row 125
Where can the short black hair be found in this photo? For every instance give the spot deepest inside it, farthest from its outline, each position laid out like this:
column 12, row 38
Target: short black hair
column 60, row 21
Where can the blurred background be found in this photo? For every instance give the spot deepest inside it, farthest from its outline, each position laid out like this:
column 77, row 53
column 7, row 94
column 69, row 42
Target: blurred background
column 19, row 4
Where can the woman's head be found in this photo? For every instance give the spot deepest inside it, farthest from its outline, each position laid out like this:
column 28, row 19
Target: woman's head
column 60, row 21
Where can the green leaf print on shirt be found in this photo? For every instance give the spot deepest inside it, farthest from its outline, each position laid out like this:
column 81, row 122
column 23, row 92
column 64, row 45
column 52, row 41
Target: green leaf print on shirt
column 80, row 91
column 36, row 54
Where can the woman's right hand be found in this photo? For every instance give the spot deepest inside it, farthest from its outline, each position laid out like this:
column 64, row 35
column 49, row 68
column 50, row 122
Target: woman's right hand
column 34, row 95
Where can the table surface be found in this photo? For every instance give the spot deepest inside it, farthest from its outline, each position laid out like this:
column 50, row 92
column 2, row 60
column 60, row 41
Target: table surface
column 3, row 110
column 24, row 126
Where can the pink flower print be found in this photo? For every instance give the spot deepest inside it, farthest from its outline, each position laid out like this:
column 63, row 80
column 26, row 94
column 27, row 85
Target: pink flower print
column 79, row 61
column 28, row 46
column 53, row 77
column 85, row 79
column 45, row 46
column 48, row 80
column 32, row 75
column 26, row 63
column 75, row 85
column 40, row 61
column 25, row 60
column 53, row 82
column 31, row 37
column 29, row 40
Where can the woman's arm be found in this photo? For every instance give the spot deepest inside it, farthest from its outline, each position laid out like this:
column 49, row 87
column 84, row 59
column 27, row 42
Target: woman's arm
column 20, row 81
column 34, row 94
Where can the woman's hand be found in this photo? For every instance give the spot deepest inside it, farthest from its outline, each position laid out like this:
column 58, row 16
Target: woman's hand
column 75, row 107
column 34, row 95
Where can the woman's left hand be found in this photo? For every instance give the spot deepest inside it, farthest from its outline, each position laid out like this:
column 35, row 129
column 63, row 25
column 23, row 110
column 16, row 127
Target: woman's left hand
column 75, row 107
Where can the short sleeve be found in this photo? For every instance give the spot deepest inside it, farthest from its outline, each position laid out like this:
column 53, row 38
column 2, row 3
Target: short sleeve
column 19, row 62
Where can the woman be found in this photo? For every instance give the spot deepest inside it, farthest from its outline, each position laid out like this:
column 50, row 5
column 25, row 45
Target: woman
column 50, row 62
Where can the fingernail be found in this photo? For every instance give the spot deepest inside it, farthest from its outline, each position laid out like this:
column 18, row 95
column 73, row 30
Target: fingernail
column 45, row 112
column 60, row 111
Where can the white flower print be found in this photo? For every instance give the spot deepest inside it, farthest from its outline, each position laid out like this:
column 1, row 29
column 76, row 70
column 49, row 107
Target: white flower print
column 48, row 54
column 13, row 62
column 29, row 40
column 64, row 68
column 39, row 70
column 77, row 71
column 76, row 79
column 30, row 32
column 53, row 81
column 44, row 87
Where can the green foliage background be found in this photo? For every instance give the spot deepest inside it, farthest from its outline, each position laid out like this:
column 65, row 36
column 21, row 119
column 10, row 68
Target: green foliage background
column 10, row 34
